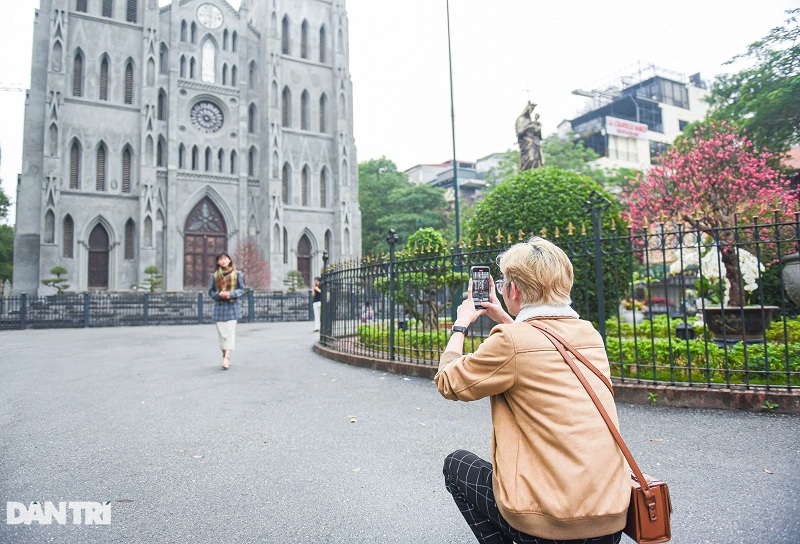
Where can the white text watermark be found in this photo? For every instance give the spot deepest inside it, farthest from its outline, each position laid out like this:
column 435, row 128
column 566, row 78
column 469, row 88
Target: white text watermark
column 62, row 513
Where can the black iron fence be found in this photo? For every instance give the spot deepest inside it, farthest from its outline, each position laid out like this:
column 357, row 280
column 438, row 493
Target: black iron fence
column 659, row 298
column 123, row 309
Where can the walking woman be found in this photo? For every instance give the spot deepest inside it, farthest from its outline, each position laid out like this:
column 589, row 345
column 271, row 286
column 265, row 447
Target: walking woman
column 227, row 286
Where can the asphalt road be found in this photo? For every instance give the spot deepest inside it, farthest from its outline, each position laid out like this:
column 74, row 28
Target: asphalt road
column 289, row 447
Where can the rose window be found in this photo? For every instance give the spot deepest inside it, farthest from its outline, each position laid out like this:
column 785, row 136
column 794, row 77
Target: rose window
column 207, row 117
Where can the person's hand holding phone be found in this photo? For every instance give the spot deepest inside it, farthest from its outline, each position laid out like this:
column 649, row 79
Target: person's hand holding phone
column 467, row 313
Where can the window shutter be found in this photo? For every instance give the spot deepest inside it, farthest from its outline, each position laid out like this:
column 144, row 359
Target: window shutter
column 74, row 166
column 107, row 8
column 129, row 236
column 126, row 171
column 69, row 237
column 101, row 169
column 77, row 76
column 129, row 84
column 130, row 16
column 323, row 189
column 285, row 184
column 104, row 80
column 305, row 186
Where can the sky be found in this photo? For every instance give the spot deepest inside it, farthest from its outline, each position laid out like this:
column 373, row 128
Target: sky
column 504, row 52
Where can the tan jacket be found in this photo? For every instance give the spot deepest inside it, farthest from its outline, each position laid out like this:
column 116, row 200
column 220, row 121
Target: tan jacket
column 558, row 473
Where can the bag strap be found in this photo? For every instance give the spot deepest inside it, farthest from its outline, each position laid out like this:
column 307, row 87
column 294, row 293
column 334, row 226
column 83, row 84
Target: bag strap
column 559, row 344
column 575, row 352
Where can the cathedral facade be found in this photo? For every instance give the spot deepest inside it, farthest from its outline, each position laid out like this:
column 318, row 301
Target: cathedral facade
column 163, row 135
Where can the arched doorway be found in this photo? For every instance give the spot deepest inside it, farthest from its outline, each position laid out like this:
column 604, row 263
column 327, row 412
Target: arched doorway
column 304, row 258
column 98, row 258
column 205, row 236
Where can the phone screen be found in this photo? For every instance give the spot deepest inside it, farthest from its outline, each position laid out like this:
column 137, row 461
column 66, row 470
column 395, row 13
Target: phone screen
column 480, row 284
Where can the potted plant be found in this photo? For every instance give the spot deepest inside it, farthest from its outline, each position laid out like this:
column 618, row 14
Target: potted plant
column 631, row 310
column 710, row 179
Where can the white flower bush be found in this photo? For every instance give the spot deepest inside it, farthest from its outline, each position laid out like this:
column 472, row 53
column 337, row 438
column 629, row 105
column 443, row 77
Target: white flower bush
column 713, row 268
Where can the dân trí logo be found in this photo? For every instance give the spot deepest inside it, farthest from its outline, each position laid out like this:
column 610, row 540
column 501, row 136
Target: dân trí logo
column 63, row 512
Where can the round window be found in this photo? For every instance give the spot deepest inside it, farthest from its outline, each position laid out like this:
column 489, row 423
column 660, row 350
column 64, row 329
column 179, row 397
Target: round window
column 207, row 117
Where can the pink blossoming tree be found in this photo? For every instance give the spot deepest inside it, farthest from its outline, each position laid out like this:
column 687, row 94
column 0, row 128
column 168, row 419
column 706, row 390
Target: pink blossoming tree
column 708, row 179
column 249, row 259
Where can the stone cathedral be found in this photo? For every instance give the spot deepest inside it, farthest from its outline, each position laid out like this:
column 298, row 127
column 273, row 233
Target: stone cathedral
column 163, row 135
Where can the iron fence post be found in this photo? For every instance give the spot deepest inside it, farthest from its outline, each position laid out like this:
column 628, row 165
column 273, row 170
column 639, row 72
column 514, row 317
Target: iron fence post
column 392, row 238
column 311, row 305
column 146, row 307
column 23, row 311
column 596, row 204
column 199, row 307
column 251, row 306
column 86, row 309
column 324, row 330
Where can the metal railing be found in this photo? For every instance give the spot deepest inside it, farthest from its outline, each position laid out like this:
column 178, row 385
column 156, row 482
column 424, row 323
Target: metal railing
column 644, row 291
column 131, row 309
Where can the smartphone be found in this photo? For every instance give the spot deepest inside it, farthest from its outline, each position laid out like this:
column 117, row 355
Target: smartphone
column 480, row 276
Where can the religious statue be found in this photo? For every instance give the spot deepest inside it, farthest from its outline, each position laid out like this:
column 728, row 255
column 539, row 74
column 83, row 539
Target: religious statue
column 529, row 136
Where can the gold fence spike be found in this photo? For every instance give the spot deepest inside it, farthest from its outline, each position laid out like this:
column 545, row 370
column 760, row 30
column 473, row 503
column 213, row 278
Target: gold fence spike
column 543, row 232
column 645, row 223
column 499, row 237
column 570, row 228
column 583, row 229
column 488, row 242
column 509, row 239
column 613, row 224
column 557, row 232
column 478, row 240
column 521, row 235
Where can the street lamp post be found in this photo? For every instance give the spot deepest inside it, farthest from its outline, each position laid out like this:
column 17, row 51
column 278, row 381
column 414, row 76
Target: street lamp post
column 453, row 128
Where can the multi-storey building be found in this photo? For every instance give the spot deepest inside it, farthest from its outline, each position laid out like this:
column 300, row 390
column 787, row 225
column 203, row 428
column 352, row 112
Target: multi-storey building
column 164, row 135
column 630, row 121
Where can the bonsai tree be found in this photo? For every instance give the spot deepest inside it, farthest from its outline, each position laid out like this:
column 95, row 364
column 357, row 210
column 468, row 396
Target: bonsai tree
column 709, row 179
column 294, row 281
column 154, row 279
column 422, row 270
column 59, row 283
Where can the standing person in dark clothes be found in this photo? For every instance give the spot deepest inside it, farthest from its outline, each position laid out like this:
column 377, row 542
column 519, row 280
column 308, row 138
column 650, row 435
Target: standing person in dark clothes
column 317, row 302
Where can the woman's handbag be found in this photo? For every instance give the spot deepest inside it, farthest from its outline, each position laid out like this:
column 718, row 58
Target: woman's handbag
column 650, row 508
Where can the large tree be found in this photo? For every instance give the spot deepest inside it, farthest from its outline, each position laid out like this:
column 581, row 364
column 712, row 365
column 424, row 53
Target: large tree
column 765, row 97
column 553, row 198
column 388, row 200
column 6, row 239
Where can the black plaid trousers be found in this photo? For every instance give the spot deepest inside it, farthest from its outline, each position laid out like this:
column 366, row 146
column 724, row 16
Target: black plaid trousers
column 469, row 479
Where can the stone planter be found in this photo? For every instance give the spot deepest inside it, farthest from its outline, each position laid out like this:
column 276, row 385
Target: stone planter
column 791, row 276
column 631, row 317
column 738, row 324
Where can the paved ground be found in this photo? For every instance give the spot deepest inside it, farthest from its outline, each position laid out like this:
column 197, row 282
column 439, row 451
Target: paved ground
column 288, row 447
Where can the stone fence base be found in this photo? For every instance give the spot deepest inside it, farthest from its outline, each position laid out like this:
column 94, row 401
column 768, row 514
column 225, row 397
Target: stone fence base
column 697, row 396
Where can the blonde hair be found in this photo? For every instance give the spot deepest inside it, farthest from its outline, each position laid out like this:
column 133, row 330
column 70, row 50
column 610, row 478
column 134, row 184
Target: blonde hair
column 541, row 271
